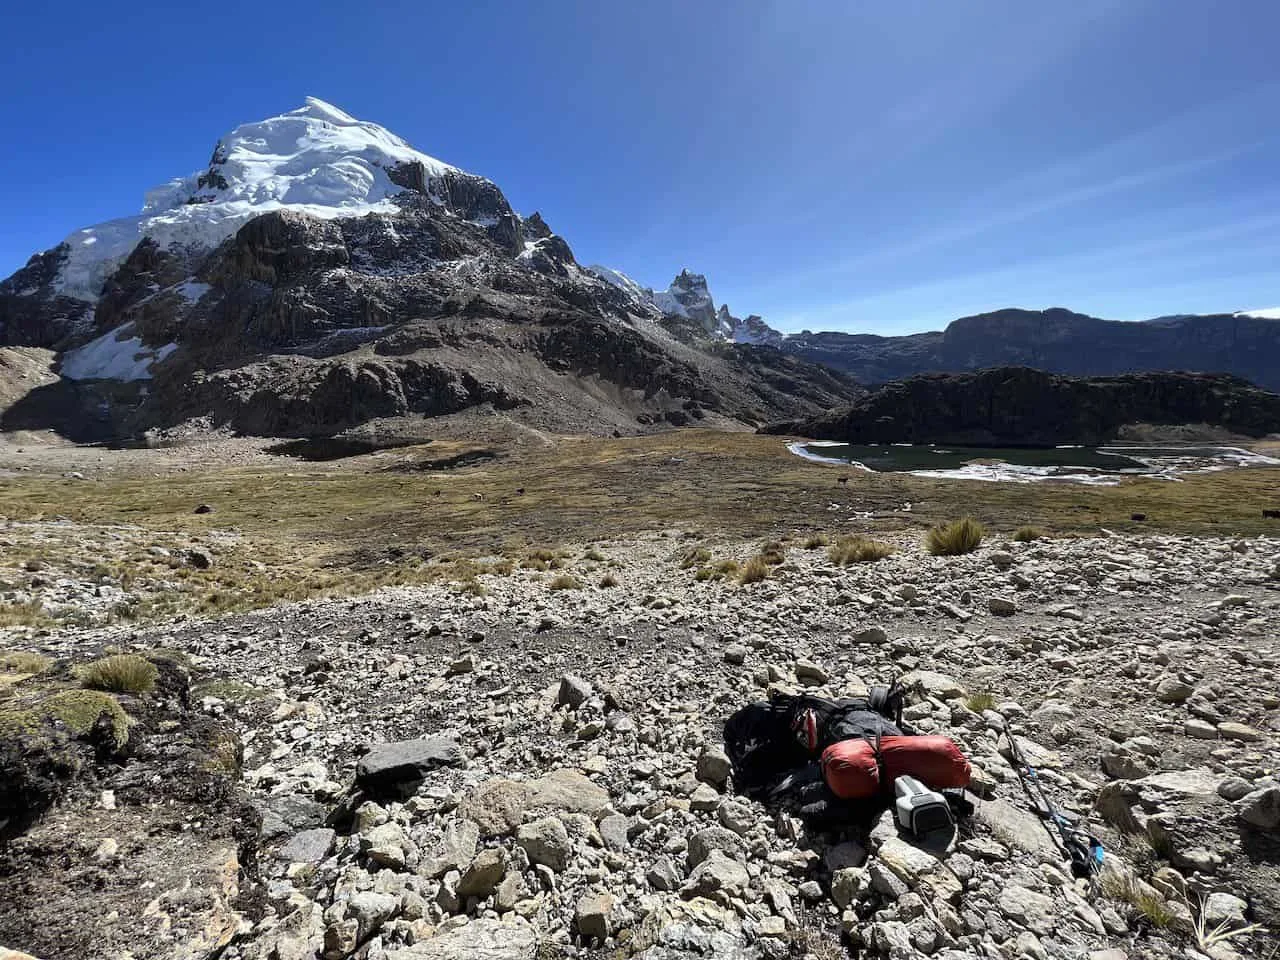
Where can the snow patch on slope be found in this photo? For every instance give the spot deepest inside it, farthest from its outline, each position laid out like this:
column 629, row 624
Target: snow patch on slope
column 624, row 283
column 317, row 160
column 1266, row 313
column 114, row 356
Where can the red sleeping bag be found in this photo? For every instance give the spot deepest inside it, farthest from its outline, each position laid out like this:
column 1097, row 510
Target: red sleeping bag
column 852, row 772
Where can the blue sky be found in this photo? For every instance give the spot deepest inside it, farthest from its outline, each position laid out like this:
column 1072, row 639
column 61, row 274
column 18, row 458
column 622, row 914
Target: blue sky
column 870, row 166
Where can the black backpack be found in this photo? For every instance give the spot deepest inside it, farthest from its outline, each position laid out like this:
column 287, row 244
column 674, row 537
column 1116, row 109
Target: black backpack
column 761, row 742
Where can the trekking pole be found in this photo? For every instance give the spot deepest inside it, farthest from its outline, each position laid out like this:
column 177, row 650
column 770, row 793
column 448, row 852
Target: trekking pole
column 1082, row 849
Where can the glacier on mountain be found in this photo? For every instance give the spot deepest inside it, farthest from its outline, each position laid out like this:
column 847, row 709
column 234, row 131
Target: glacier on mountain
column 118, row 354
column 316, row 160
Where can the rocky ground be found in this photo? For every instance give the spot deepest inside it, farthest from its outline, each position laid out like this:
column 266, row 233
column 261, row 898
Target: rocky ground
column 573, row 799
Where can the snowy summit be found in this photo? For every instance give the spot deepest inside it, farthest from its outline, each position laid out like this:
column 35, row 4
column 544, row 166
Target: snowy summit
column 317, row 160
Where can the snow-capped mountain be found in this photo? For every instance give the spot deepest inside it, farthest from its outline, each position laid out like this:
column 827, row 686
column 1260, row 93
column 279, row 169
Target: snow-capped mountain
column 319, row 272
column 315, row 160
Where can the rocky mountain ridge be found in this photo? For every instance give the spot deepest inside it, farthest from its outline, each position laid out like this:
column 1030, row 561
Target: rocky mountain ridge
column 1242, row 343
column 1060, row 341
column 1018, row 406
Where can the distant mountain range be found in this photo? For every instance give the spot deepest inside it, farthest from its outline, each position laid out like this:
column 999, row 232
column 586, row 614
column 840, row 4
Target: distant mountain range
column 1018, row 406
column 318, row 273
column 1245, row 344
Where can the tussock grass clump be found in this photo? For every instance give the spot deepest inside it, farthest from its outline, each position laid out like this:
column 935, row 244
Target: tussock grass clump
column 593, row 553
column 25, row 613
column 1145, row 901
column 543, row 558
column 773, row 553
column 754, row 570
column 694, row 557
column 608, row 580
column 472, row 588
column 565, row 582
column 857, row 549
column 1026, row 534
column 952, row 539
column 816, row 540
column 122, row 673
column 24, row 661
column 977, row 702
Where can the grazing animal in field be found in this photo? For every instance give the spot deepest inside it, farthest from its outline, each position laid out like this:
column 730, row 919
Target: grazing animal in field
column 842, row 480
column 1270, row 514
column 436, row 494
column 519, row 491
column 1139, row 517
column 477, row 496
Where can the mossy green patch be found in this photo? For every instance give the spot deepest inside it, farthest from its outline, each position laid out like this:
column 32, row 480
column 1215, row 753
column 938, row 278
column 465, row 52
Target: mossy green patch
column 77, row 710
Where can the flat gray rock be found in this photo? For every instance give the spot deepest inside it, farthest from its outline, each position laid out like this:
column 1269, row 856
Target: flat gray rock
column 1018, row 827
column 395, row 770
column 309, row 846
column 478, row 940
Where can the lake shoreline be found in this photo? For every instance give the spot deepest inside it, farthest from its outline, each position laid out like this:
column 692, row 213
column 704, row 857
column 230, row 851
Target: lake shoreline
column 1064, row 463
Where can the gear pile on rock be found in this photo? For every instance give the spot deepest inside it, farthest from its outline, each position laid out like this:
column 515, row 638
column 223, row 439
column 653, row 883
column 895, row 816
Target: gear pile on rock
column 536, row 773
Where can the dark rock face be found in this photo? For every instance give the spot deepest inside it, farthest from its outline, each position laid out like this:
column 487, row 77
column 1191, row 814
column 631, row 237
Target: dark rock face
column 1058, row 341
column 535, row 228
column 302, row 327
column 690, row 291
column 472, row 198
column 130, row 294
column 1020, row 406
column 283, row 246
column 32, row 314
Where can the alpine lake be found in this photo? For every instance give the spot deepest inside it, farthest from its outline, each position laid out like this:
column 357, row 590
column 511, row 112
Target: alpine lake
column 1076, row 464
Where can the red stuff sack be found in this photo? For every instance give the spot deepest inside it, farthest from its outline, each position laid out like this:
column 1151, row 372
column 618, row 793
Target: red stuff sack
column 851, row 770
column 935, row 761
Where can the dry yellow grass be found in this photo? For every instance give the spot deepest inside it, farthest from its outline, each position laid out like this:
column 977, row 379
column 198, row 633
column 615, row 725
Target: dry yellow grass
column 694, row 557
column 122, row 673
column 857, row 549
column 754, row 570
column 307, row 531
column 953, row 539
column 24, row 662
